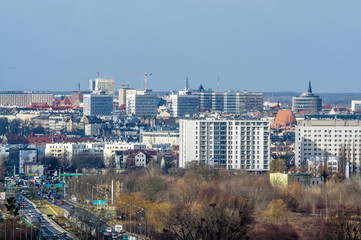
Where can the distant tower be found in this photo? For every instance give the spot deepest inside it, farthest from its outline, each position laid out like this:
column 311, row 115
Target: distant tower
column 309, row 87
column 79, row 87
column 186, row 88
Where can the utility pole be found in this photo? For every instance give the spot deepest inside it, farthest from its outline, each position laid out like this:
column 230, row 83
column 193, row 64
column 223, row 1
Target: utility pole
column 112, row 191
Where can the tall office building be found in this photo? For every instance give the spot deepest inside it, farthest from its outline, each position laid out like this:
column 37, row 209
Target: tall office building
column 316, row 139
column 231, row 144
column 181, row 105
column 230, row 102
column 307, row 102
column 123, row 95
column 97, row 103
column 141, row 103
column 102, row 84
column 23, row 99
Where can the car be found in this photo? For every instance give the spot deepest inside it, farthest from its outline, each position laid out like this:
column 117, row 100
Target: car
column 60, row 203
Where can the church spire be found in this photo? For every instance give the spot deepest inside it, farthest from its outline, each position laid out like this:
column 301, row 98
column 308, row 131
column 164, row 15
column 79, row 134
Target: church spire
column 309, row 87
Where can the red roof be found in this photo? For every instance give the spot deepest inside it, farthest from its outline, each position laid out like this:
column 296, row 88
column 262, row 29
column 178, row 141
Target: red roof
column 284, row 118
column 46, row 139
column 66, row 101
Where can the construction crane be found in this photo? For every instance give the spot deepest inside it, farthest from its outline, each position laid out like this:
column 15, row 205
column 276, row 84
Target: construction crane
column 145, row 74
column 122, row 84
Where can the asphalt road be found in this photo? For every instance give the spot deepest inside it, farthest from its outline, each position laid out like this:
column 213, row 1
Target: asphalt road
column 34, row 216
column 88, row 217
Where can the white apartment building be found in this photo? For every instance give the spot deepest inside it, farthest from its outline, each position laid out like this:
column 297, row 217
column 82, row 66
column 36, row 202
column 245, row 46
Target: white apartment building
column 319, row 138
column 160, row 137
column 141, row 103
column 68, row 150
column 232, row 144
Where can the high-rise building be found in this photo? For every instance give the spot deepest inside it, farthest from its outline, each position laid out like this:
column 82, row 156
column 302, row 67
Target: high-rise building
column 142, row 103
column 230, row 102
column 307, row 102
column 231, row 144
column 123, row 95
column 102, row 84
column 356, row 105
column 23, row 99
column 328, row 138
column 97, row 103
column 181, row 105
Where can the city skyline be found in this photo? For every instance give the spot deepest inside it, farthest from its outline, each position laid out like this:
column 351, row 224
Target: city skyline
column 256, row 46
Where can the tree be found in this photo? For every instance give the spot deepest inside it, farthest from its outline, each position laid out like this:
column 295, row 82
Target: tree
column 12, row 206
column 4, row 124
column 39, row 130
column 273, row 232
column 52, row 163
column 278, row 165
column 275, row 212
column 81, row 161
column 14, row 126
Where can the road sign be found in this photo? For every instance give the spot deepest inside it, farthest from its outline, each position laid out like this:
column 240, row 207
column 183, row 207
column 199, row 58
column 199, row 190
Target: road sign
column 2, row 195
column 99, row 202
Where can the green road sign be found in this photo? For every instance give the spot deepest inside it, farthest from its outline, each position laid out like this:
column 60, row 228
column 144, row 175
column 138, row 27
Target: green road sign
column 99, row 202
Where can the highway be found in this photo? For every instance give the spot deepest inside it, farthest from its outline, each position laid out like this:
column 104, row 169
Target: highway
column 34, row 216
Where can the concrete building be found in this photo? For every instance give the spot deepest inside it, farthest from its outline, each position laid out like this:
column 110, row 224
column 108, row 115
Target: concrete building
column 97, row 103
column 22, row 99
column 356, row 105
column 102, row 84
column 231, row 144
column 307, row 102
column 123, row 95
column 328, row 138
column 142, row 103
column 106, row 149
column 230, row 102
column 181, row 105
column 160, row 137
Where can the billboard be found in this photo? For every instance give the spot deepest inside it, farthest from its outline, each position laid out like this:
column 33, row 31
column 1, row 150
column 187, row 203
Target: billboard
column 27, row 156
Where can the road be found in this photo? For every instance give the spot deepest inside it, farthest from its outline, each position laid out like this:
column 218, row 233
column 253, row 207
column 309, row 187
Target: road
column 34, row 216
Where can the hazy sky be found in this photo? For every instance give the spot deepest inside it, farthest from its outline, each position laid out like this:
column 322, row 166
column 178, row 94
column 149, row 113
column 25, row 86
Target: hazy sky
column 257, row 45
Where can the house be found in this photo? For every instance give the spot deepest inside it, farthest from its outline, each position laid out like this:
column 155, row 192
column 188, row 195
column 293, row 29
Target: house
column 139, row 158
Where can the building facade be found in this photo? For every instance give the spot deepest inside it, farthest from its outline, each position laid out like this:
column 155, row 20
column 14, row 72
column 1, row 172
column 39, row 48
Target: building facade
column 142, row 104
column 102, row 84
column 307, row 102
column 231, row 144
column 181, row 105
column 328, row 139
column 25, row 99
column 230, row 102
column 97, row 104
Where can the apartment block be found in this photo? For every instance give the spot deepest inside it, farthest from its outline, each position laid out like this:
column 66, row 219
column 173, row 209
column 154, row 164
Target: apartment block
column 328, row 138
column 23, row 99
column 230, row 144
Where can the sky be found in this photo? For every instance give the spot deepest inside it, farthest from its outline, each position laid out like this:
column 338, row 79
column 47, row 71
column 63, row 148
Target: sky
column 254, row 45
